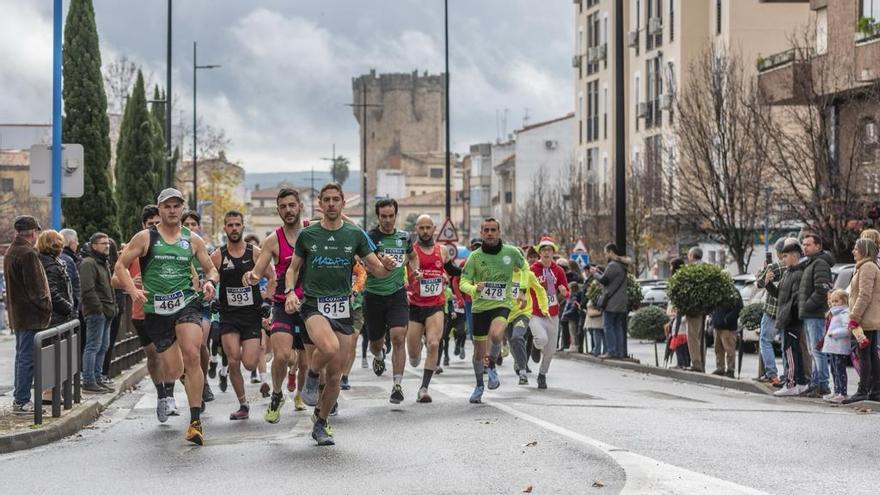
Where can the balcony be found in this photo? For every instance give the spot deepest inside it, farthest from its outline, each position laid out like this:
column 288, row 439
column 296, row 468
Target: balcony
column 867, row 56
column 783, row 79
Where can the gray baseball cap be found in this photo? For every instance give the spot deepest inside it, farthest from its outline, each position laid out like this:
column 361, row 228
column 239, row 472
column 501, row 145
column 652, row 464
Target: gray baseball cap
column 169, row 193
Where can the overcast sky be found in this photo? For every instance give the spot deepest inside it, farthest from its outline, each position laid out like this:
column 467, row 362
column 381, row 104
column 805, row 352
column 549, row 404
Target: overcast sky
column 287, row 65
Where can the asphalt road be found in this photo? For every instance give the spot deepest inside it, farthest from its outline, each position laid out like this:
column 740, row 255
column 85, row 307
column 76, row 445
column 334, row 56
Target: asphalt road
column 596, row 430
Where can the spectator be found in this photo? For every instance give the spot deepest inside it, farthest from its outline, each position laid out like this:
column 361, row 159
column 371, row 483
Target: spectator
column 613, row 301
column 724, row 320
column 571, row 317
column 768, row 319
column 2, row 303
column 98, row 308
column 788, row 317
column 71, row 263
column 119, row 296
column 864, row 312
column 678, row 338
column 813, row 306
column 874, row 235
column 29, row 304
column 49, row 245
column 837, row 343
column 696, row 325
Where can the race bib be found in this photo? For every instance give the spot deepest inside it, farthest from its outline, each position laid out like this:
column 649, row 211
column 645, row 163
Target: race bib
column 239, row 296
column 430, row 287
column 514, row 290
column 551, row 300
column 334, row 308
column 397, row 254
column 168, row 304
column 493, row 291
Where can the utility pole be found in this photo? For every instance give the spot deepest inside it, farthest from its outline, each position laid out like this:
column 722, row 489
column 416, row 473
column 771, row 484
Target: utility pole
column 446, row 81
column 169, row 165
column 195, row 167
column 363, row 106
column 619, row 131
column 332, row 161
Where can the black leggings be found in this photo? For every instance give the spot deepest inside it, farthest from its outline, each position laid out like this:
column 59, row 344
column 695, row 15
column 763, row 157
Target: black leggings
column 869, row 366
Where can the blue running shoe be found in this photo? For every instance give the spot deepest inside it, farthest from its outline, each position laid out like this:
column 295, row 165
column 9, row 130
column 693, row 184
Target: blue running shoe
column 477, row 396
column 493, row 379
column 311, row 390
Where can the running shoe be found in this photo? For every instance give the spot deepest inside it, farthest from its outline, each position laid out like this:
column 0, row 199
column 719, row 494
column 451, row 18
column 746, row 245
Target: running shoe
column 499, row 361
column 162, row 409
column 254, row 378
column 194, row 433
column 396, row 394
column 298, row 404
column 203, row 407
column 273, row 413
column 461, row 353
column 379, row 365
column 423, row 397
column 493, row 379
column 212, row 369
column 364, row 363
column 536, row 354
column 457, row 348
column 523, row 378
column 172, row 407
column 207, row 394
column 264, row 389
column 343, row 384
column 224, row 382
column 311, row 391
column 323, row 434
column 505, row 350
column 477, row 396
column 446, row 360
column 542, row 381
column 291, row 382
column 439, row 370
column 335, row 410
column 242, row 413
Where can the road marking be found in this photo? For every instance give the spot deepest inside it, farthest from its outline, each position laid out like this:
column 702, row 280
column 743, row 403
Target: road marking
column 643, row 474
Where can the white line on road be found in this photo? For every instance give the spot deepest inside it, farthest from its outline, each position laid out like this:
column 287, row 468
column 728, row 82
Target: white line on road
column 643, row 474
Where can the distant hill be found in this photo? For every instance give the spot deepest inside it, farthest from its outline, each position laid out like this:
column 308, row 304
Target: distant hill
column 300, row 179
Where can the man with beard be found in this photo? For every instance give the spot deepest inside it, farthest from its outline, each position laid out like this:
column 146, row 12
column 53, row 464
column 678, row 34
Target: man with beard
column 328, row 249
column 488, row 277
column 287, row 331
column 240, row 303
column 173, row 311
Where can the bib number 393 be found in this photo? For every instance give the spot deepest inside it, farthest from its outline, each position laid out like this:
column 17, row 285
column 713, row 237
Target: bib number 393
column 493, row 291
column 239, row 296
column 334, row 308
column 168, row 304
column 430, row 287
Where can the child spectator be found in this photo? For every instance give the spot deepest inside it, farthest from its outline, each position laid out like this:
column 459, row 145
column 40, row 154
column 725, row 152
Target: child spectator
column 837, row 342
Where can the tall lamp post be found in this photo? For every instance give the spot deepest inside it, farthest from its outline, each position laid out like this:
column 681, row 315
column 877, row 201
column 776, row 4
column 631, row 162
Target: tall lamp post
column 446, row 82
column 169, row 180
column 363, row 106
column 332, row 161
column 196, row 67
column 619, row 131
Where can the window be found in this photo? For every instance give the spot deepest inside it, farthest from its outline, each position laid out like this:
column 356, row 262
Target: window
column 593, row 35
column 671, row 21
column 592, row 111
column 654, row 88
column 654, row 24
column 822, row 31
column 508, row 197
column 717, row 16
column 605, row 112
column 7, row 185
column 871, row 8
column 637, row 99
column 652, row 178
column 436, row 173
column 638, row 25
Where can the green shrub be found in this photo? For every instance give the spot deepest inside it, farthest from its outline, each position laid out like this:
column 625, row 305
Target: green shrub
column 633, row 293
column 647, row 323
column 750, row 316
column 699, row 289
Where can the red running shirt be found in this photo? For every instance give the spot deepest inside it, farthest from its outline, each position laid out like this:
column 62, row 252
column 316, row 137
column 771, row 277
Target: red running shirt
column 428, row 290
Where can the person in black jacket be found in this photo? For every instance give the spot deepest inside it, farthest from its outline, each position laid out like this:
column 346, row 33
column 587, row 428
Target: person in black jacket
column 49, row 245
column 788, row 317
column 725, row 321
column 813, row 305
column 71, row 263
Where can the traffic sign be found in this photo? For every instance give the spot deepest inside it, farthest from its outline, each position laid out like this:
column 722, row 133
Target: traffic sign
column 72, row 174
column 582, row 259
column 452, row 251
column 447, row 232
column 580, row 247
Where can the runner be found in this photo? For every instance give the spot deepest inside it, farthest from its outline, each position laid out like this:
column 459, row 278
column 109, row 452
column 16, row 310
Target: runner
column 171, row 305
column 240, row 306
column 287, row 331
column 546, row 327
column 193, row 221
column 267, row 291
column 328, row 249
column 488, row 277
column 359, row 278
column 386, row 309
column 164, row 390
column 427, row 303
column 518, row 323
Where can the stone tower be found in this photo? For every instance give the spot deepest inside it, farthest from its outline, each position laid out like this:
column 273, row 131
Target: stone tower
column 409, row 121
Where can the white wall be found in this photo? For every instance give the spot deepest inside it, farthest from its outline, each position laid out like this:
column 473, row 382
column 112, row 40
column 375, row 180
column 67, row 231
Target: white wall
column 532, row 153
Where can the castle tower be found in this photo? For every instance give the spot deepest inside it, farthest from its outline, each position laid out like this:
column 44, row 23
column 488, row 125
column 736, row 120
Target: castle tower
column 410, row 119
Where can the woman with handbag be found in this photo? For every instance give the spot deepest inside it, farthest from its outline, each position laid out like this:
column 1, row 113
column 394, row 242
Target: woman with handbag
column 677, row 336
column 864, row 313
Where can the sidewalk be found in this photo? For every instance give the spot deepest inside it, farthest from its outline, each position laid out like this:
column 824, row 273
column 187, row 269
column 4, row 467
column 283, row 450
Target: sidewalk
column 19, row 432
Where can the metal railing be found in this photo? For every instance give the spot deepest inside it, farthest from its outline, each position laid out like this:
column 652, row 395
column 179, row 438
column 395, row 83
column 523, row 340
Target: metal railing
column 57, row 365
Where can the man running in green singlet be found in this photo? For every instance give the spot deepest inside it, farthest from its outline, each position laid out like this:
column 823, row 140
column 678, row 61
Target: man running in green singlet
column 172, row 307
column 327, row 250
column 488, row 277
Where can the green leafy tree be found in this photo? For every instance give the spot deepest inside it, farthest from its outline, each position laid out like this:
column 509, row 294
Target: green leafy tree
column 135, row 160
column 86, row 123
column 339, row 169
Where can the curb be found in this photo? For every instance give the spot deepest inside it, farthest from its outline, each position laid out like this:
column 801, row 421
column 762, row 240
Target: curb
column 81, row 416
column 703, row 379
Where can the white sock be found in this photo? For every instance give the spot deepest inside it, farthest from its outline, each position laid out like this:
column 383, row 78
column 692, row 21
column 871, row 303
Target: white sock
column 262, row 377
column 380, row 354
column 398, row 379
column 224, row 371
column 215, row 358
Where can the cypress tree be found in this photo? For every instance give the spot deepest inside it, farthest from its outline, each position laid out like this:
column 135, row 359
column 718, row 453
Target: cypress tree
column 135, row 160
column 86, row 123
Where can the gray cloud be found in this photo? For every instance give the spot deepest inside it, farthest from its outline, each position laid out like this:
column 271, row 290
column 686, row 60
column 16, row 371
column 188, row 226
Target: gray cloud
column 287, row 66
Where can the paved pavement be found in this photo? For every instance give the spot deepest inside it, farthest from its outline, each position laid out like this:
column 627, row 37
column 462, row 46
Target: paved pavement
column 596, row 430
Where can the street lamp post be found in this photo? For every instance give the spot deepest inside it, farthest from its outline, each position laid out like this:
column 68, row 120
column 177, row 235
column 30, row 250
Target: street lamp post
column 619, row 132
column 196, row 67
column 169, row 180
column 332, row 161
column 363, row 106
column 446, row 82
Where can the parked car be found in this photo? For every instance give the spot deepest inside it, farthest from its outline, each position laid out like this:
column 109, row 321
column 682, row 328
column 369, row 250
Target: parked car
column 655, row 295
column 746, row 286
column 841, row 275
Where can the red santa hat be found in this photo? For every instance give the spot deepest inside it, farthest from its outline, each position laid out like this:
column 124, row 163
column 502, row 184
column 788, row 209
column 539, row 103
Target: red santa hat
column 547, row 241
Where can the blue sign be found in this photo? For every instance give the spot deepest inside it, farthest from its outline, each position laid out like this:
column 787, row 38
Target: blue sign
column 582, row 259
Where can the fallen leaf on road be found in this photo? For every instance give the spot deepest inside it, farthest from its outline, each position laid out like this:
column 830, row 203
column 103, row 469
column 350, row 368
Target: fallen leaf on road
column 531, row 444
column 598, row 484
column 528, row 489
